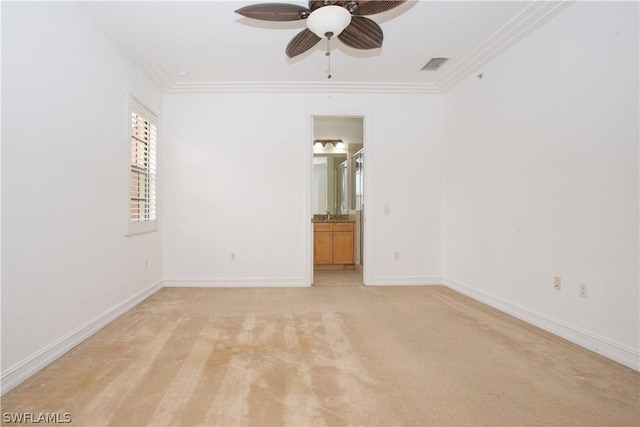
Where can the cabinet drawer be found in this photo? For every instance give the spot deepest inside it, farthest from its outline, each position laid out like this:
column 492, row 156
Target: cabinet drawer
column 323, row 226
column 343, row 226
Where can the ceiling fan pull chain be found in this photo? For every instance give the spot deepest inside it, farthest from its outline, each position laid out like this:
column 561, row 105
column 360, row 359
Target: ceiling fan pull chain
column 328, row 55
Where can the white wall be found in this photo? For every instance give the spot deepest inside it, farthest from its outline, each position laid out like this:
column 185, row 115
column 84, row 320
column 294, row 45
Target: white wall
column 67, row 267
column 542, row 179
column 238, row 180
column 349, row 129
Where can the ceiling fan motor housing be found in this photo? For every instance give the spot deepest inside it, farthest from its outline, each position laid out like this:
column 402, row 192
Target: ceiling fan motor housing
column 328, row 21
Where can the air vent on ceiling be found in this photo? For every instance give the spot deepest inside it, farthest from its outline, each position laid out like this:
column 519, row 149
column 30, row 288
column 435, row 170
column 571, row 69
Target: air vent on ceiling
column 434, row 64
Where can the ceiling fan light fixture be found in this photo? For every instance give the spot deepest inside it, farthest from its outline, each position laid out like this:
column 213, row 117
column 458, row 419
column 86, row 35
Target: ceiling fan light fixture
column 328, row 21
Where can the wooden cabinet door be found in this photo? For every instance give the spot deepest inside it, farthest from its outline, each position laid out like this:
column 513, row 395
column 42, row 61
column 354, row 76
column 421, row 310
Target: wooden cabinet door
column 323, row 247
column 343, row 247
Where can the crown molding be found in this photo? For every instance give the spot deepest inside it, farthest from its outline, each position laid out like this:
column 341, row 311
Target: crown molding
column 107, row 21
column 520, row 26
column 306, row 87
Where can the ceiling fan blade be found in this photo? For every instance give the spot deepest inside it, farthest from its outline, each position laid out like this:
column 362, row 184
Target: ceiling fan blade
column 274, row 12
column 315, row 4
column 362, row 33
column 371, row 7
column 301, row 43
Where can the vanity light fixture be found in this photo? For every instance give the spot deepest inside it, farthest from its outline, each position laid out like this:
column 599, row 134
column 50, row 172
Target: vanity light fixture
column 329, row 146
column 331, row 142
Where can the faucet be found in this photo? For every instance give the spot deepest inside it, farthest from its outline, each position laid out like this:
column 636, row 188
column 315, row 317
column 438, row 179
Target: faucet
column 328, row 212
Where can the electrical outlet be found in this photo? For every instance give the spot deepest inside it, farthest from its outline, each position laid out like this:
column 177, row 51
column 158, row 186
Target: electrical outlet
column 233, row 256
column 396, row 255
column 557, row 283
column 583, row 290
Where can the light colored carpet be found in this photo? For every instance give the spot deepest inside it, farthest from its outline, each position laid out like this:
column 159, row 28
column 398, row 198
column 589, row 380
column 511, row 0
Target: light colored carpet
column 331, row 356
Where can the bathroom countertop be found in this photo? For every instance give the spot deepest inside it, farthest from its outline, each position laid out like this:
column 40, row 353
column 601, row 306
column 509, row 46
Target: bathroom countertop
column 337, row 218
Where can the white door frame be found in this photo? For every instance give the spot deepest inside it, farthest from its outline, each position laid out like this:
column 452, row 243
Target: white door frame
column 367, row 123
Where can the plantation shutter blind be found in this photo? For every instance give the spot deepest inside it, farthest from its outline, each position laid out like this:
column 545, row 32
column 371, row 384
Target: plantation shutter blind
column 143, row 191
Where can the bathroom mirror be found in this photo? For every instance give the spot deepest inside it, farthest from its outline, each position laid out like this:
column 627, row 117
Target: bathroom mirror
column 325, row 183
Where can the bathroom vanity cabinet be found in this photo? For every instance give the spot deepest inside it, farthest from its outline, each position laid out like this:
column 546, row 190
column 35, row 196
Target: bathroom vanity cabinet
column 333, row 244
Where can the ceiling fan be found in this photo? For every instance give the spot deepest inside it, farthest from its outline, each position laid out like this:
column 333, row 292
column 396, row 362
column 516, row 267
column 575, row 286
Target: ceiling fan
column 344, row 19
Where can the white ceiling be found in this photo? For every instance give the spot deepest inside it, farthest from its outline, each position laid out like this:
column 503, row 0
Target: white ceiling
column 223, row 51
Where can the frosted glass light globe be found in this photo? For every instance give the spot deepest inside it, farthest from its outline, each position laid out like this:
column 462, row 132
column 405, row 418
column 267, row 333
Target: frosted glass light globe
column 328, row 21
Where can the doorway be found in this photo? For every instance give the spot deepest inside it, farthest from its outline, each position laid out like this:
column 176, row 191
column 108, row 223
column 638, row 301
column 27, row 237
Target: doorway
column 337, row 200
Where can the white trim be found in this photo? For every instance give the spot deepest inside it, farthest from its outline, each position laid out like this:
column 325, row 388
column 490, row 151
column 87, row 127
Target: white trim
column 367, row 117
column 235, row 282
column 524, row 23
column 18, row 373
column 304, row 87
column 307, row 182
column 368, row 231
column 110, row 23
column 599, row 345
column 405, row 281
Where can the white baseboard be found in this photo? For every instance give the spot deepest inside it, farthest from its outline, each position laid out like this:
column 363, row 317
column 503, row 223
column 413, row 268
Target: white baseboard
column 235, row 282
column 599, row 345
column 405, row 281
column 15, row 375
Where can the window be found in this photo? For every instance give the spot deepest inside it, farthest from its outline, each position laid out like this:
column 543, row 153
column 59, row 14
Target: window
column 142, row 191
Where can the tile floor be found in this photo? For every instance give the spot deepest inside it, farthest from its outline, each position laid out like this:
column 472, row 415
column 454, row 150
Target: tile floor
column 337, row 278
